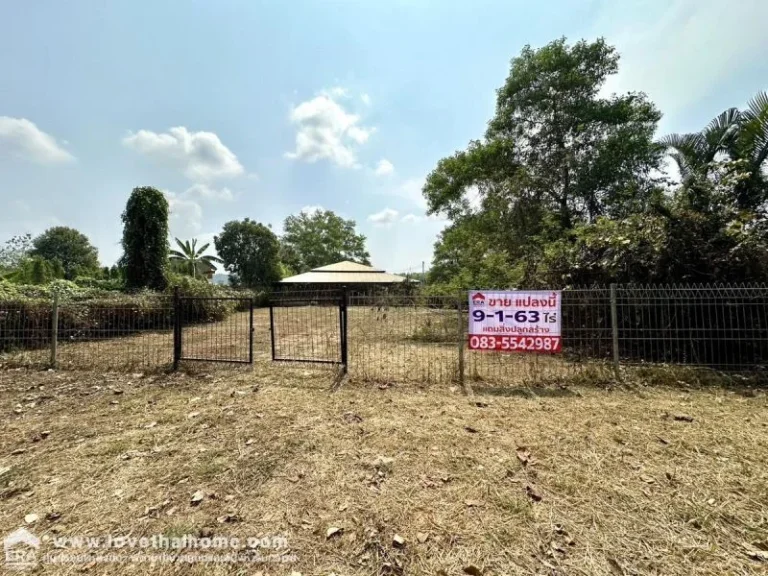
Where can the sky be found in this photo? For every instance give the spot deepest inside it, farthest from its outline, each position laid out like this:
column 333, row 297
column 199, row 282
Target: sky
column 262, row 109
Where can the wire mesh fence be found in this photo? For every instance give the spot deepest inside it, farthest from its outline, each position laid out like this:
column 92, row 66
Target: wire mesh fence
column 398, row 337
column 306, row 326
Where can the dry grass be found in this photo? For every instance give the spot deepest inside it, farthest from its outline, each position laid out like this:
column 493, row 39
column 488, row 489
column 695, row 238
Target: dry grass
column 416, row 345
column 626, row 488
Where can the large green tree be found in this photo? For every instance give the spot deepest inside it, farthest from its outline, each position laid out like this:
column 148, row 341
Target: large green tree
column 249, row 251
column 320, row 238
column 556, row 154
column 70, row 248
column 145, row 239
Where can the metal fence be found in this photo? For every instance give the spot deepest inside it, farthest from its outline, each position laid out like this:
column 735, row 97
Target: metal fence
column 397, row 337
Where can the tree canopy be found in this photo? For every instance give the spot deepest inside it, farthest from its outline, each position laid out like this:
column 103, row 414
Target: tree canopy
column 571, row 187
column 69, row 247
column 145, row 239
column 318, row 239
column 249, row 251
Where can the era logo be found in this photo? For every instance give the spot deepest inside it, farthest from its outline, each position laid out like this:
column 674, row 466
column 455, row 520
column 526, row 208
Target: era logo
column 20, row 548
column 478, row 299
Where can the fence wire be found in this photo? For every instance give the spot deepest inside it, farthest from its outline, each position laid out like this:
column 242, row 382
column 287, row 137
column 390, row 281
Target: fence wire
column 394, row 337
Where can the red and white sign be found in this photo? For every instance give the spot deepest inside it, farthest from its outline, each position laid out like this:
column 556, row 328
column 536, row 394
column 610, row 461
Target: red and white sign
column 515, row 321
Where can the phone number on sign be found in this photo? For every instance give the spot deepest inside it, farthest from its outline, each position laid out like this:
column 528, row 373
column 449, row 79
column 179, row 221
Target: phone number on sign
column 522, row 343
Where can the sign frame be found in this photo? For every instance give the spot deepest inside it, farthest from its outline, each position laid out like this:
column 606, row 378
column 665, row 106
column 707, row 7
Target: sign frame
column 515, row 321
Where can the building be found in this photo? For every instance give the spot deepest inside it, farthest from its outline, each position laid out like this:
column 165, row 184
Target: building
column 357, row 277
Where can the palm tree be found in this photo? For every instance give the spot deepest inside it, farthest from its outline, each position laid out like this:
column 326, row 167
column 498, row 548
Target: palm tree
column 192, row 258
column 736, row 135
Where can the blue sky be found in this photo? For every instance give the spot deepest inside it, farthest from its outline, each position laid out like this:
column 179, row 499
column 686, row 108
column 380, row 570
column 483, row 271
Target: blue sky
column 263, row 108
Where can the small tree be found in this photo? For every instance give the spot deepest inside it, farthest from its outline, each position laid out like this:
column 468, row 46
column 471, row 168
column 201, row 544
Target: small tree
column 249, row 251
column 145, row 239
column 69, row 247
column 14, row 251
column 192, row 259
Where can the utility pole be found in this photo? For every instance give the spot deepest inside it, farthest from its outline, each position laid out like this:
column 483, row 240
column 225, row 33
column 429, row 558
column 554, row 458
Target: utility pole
column 422, row 270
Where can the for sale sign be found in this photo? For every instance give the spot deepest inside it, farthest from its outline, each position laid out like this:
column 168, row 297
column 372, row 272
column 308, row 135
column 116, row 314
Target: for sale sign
column 515, row 321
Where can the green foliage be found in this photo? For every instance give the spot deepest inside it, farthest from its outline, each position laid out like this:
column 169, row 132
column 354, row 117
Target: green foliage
column 14, row 251
column 568, row 194
column 318, row 239
column 36, row 270
column 70, row 248
column 249, row 251
column 193, row 260
column 145, row 239
column 740, row 136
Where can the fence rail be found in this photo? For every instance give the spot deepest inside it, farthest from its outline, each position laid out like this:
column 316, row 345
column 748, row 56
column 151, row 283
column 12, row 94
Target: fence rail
column 399, row 337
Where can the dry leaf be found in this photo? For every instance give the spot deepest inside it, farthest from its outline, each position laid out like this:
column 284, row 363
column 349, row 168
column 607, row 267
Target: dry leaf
column 473, row 503
column 333, row 531
column 647, row 479
column 398, row 541
column 470, row 429
column 524, row 456
column 472, row 570
column 422, row 537
column 683, row 418
column 197, row 497
column 228, row 519
column 31, row 518
column 533, row 493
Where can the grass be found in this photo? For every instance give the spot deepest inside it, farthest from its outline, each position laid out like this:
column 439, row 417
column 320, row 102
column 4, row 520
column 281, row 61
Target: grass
column 387, row 344
column 625, row 485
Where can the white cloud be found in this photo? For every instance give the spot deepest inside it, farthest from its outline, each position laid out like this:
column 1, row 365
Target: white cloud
column 680, row 51
column 201, row 155
column 203, row 191
column 384, row 218
column 384, row 168
column 412, row 218
column 337, row 92
column 186, row 217
column 410, row 190
column 22, row 138
column 326, row 131
column 310, row 210
column 365, row 98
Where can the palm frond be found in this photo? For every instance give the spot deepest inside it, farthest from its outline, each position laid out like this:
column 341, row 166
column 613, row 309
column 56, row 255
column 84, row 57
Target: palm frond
column 755, row 130
column 180, row 244
column 720, row 135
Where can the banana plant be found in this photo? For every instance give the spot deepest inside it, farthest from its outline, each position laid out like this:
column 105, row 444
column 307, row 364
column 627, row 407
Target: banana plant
column 194, row 259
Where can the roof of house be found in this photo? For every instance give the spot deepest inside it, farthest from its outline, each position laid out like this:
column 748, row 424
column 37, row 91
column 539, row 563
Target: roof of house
column 345, row 273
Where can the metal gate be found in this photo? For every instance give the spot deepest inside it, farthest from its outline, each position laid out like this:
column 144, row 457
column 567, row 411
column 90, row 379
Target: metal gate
column 212, row 330
column 309, row 326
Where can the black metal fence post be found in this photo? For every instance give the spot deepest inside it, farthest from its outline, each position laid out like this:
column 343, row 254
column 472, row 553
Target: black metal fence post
column 343, row 330
column 176, row 328
column 272, row 325
column 250, row 334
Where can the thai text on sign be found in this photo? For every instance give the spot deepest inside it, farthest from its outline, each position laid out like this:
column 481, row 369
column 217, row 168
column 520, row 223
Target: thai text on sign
column 515, row 321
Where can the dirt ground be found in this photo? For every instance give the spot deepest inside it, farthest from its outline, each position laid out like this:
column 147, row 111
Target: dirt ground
column 381, row 479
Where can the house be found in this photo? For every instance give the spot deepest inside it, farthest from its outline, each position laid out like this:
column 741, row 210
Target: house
column 358, row 277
